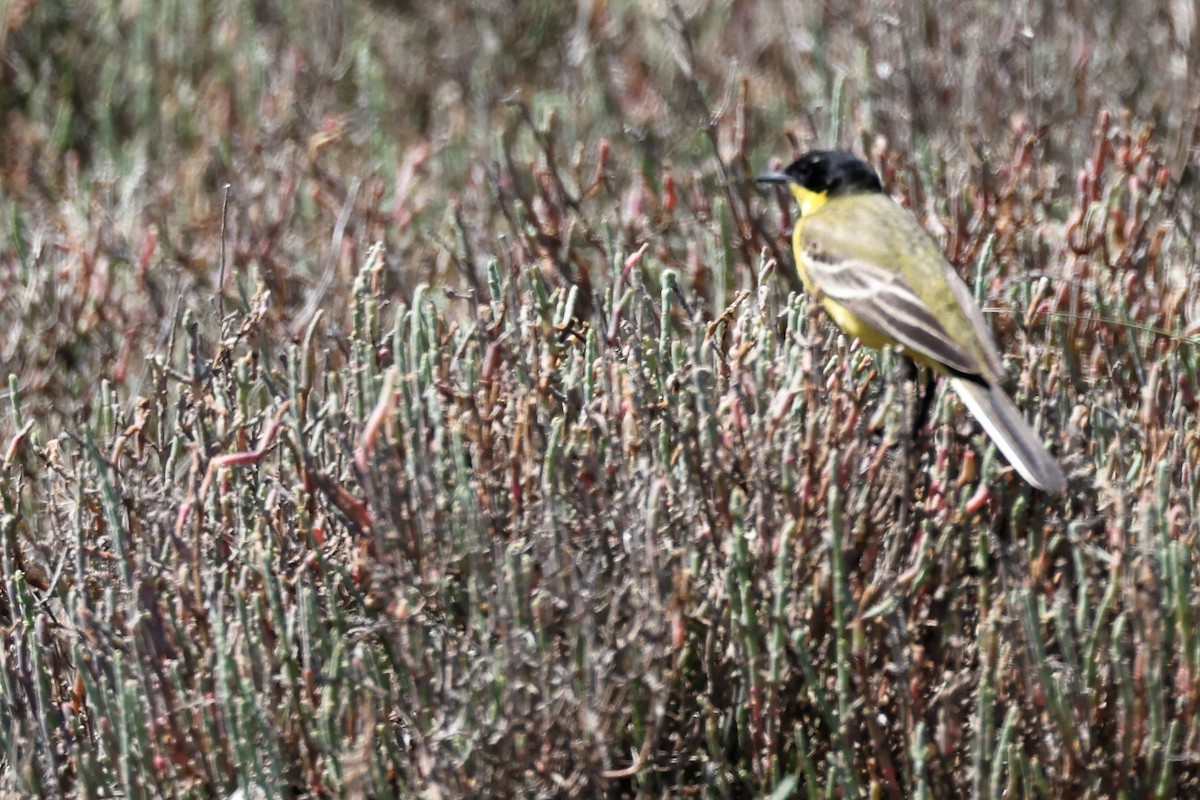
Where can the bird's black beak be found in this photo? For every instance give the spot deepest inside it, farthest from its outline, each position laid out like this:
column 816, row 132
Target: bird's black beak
column 778, row 178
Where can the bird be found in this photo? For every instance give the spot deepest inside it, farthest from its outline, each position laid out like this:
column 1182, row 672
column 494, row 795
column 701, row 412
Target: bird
column 882, row 278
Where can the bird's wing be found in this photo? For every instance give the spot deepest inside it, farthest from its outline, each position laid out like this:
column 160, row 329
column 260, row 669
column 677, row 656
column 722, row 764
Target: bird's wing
column 885, row 301
column 970, row 309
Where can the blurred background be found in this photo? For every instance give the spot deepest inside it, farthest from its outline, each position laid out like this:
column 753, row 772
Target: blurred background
column 430, row 127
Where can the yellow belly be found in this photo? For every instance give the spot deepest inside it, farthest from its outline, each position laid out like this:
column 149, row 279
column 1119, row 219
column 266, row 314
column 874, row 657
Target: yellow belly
column 841, row 316
column 853, row 326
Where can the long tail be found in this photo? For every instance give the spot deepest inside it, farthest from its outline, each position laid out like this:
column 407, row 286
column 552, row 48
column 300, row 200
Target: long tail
column 1002, row 420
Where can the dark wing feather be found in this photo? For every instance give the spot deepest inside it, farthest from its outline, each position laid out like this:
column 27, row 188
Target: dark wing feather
column 886, row 302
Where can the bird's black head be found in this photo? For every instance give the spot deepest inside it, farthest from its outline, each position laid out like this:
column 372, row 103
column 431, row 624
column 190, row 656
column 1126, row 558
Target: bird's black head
column 828, row 173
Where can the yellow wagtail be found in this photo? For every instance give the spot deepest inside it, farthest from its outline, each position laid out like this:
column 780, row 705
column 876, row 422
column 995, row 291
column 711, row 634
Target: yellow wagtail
column 882, row 278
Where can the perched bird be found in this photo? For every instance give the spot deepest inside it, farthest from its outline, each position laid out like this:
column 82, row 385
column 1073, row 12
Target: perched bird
column 882, row 278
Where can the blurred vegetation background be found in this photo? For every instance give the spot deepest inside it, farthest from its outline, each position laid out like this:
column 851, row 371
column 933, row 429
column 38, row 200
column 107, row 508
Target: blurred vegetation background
column 412, row 398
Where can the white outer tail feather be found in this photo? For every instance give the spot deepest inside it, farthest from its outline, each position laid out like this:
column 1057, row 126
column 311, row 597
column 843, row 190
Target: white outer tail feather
column 1003, row 422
